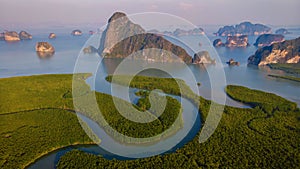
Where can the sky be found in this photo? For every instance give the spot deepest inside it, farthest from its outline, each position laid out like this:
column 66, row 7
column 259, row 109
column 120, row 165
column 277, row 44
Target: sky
column 199, row 12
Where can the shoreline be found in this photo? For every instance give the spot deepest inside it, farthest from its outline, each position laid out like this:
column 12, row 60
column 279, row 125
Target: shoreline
column 290, row 78
column 53, row 150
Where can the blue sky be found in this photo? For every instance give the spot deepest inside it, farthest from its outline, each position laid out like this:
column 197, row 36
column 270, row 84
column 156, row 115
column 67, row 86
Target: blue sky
column 199, row 12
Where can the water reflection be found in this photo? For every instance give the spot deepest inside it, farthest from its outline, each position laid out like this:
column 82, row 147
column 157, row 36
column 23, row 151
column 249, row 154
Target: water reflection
column 45, row 55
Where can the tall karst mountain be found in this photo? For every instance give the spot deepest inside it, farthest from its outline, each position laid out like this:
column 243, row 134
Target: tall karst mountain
column 122, row 38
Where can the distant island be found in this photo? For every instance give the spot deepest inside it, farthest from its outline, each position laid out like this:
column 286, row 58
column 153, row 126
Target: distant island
column 122, row 37
column 268, row 39
column 11, row 36
column 233, row 41
column 179, row 32
column 244, row 28
column 52, row 36
column 283, row 52
column 282, row 31
column 232, row 62
column 44, row 49
column 76, row 32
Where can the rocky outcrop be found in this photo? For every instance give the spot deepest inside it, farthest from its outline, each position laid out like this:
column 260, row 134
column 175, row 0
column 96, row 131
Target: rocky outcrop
column 244, row 28
column 11, row 36
column 76, row 32
column 25, row 35
column 118, row 28
column 232, row 62
column 218, row 43
column 203, row 57
column 44, row 47
column 283, row 52
column 233, row 41
column 89, row 50
column 122, row 38
column 52, row 36
column 268, row 39
column 282, row 31
column 237, row 41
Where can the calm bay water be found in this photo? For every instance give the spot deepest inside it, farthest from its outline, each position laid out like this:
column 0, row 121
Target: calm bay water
column 18, row 59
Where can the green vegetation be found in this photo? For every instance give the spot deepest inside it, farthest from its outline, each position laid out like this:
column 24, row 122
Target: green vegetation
column 134, row 129
column 36, row 119
column 27, row 135
column 245, row 138
column 144, row 102
column 112, row 118
column 292, row 78
column 268, row 102
column 168, row 85
column 36, row 92
column 293, row 68
column 38, row 116
column 143, row 93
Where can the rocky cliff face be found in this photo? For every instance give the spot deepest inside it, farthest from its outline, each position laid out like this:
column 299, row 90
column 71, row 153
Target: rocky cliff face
column 44, row 49
column 283, row 52
column 119, row 27
column 122, row 38
column 237, row 41
column 25, row 35
column 14, row 36
column 11, row 36
column 244, row 28
column 233, row 41
column 268, row 39
column 203, row 57
column 150, row 43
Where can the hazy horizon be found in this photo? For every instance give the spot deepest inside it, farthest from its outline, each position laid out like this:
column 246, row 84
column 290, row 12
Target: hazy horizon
column 35, row 13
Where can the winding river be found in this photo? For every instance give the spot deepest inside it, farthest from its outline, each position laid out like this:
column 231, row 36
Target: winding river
column 19, row 59
column 191, row 127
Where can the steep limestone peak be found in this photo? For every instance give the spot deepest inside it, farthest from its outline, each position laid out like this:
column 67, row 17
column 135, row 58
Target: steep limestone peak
column 118, row 28
column 116, row 16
